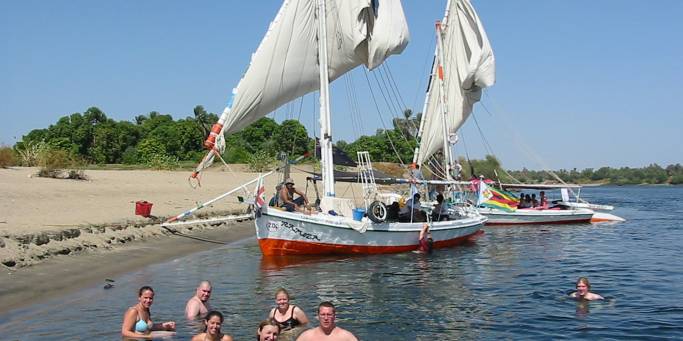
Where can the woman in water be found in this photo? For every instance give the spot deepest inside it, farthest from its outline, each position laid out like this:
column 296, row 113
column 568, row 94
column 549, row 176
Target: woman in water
column 212, row 328
column 285, row 315
column 137, row 321
column 268, row 330
column 583, row 287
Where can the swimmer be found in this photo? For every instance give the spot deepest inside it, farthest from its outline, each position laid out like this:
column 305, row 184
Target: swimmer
column 285, row 315
column 327, row 330
column 212, row 328
column 268, row 330
column 583, row 287
column 137, row 321
column 198, row 305
column 425, row 240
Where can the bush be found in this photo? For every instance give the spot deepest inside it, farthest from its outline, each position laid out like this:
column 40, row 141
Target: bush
column 677, row 179
column 7, row 158
column 162, row 162
column 29, row 153
column 237, row 155
column 52, row 162
column 54, row 159
column 261, row 161
column 130, row 156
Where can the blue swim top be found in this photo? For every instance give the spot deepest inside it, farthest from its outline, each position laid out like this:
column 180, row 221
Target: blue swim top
column 141, row 326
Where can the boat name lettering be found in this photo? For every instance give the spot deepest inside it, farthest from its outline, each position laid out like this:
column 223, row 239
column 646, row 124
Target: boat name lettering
column 272, row 226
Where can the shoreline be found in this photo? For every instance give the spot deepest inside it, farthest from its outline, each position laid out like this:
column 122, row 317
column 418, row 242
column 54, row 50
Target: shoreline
column 59, row 275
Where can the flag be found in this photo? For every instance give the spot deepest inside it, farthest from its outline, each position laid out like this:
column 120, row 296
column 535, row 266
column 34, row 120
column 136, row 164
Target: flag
column 496, row 198
column 259, row 193
column 259, row 196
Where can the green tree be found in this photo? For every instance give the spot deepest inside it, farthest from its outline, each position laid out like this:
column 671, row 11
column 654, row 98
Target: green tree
column 291, row 137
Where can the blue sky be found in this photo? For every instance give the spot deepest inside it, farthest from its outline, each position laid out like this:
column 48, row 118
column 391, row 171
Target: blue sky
column 580, row 83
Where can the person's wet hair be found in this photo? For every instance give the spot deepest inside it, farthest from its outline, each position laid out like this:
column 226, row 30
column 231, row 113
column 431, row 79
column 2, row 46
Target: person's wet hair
column 283, row 291
column 209, row 316
column 585, row 281
column 143, row 289
column 327, row 304
column 268, row 322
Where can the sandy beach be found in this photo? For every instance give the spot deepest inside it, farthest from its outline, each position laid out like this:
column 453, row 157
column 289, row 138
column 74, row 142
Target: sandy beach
column 51, row 229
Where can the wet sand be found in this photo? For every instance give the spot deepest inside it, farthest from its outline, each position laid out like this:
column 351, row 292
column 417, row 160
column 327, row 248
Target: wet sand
column 63, row 275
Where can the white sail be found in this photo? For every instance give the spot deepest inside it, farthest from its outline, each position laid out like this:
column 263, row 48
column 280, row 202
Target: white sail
column 285, row 65
column 468, row 67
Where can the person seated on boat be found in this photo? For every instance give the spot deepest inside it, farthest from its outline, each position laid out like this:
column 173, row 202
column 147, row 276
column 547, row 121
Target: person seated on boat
column 287, row 316
column 425, row 241
column 137, row 321
column 393, row 210
column 525, row 201
column 543, row 203
column 287, row 200
column 212, row 328
column 198, row 305
column 529, row 202
column 583, row 287
column 534, row 202
column 440, row 210
column 411, row 211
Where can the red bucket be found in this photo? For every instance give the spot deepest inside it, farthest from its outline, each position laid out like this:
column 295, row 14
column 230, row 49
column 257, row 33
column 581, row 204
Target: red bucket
column 143, row 208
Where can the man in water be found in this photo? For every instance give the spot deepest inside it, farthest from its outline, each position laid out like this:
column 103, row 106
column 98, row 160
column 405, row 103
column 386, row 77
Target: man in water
column 327, row 330
column 198, row 305
column 583, row 287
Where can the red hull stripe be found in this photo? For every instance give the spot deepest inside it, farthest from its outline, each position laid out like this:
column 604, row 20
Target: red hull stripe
column 279, row 247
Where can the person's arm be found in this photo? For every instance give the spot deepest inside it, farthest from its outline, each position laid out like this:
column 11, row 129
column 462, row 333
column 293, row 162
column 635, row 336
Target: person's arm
column 302, row 195
column 595, row 296
column 191, row 309
column 300, row 316
column 127, row 327
column 226, row 337
column 167, row 326
column 199, row 337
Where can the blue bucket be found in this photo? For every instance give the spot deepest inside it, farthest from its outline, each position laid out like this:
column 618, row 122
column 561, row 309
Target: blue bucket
column 358, row 214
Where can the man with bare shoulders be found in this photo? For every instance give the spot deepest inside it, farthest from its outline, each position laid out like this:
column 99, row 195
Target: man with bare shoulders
column 198, row 305
column 327, row 330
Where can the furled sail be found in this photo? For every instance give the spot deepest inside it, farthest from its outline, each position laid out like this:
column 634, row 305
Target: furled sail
column 285, row 65
column 468, row 67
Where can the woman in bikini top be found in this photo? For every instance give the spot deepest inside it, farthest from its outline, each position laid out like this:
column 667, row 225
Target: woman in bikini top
column 212, row 328
column 137, row 320
column 279, row 314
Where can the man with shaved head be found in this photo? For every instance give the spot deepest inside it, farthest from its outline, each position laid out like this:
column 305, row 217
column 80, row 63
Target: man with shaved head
column 198, row 305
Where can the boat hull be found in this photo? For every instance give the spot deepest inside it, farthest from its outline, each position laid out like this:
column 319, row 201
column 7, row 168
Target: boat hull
column 522, row 216
column 285, row 233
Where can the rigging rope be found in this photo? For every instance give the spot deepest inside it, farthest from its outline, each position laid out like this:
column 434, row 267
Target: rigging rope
column 372, row 93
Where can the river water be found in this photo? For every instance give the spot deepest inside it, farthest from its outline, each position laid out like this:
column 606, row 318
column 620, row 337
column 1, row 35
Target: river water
column 511, row 283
